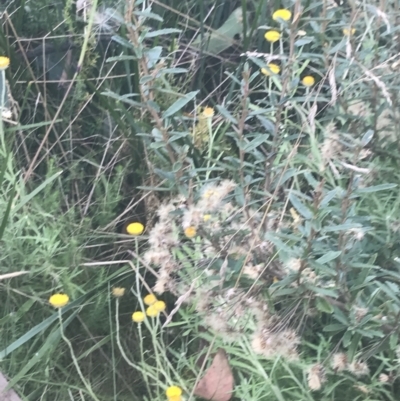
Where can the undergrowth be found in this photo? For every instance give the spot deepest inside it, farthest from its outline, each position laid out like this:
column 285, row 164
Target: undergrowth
column 204, row 183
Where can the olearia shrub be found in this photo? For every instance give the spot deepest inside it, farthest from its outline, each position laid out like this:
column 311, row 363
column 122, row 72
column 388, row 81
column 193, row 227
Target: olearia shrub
column 281, row 262
column 272, row 210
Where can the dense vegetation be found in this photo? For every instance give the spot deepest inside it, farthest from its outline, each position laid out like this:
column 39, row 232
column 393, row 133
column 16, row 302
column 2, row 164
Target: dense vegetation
column 206, row 183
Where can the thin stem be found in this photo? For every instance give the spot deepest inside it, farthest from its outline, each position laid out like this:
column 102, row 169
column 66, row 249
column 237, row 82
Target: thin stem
column 74, row 360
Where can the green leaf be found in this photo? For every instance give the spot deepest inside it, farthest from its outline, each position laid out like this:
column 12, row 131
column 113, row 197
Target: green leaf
column 355, row 342
column 331, row 255
column 7, row 212
column 300, row 207
column 160, row 32
column 323, row 291
column 38, row 329
column 261, row 138
column 225, row 113
column 376, row 188
column 120, row 58
column 335, row 327
column 174, row 71
column 25, row 199
column 341, row 227
column 30, row 126
column 51, row 342
column 324, row 306
column 367, row 137
column 179, row 104
column 303, row 41
column 346, row 341
column 328, row 197
column 393, row 341
column 122, row 41
column 223, row 37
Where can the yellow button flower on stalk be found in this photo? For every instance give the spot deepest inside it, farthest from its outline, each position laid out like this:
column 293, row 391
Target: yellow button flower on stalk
column 274, row 68
column 59, row 300
column 150, row 299
column 4, row 62
column 151, row 311
column 208, row 112
column 159, row 306
column 190, row 231
column 206, row 217
column 282, row 14
column 209, row 193
column 174, row 393
column 349, row 32
column 272, row 36
column 118, row 292
column 138, row 317
column 135, row 228
column 308, row 80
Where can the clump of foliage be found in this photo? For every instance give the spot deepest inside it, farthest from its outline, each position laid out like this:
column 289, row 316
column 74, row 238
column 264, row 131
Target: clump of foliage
column 268, row 193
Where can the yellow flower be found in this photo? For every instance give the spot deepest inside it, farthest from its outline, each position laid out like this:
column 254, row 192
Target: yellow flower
column 4, row 62
column 173, row 391
column 348, row 32
column 151, row 311
column 159, row 306
column 282, row 14
column 208, row 193
column 190, row 232
column 138, row 317
column 59, row 300
column 135, row 228
column 308, row 81
column 118, row 291
column 150, row 299
column 274, row 68
column 272, row 36
column 275, row 280
column 175, row 398
column 208, row 112
column 206, row 217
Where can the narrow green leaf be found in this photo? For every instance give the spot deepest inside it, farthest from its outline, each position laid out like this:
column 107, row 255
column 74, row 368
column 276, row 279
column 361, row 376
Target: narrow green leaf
column 120, row 58
column 224, row 37
column 367, row 137
column 335, row 327
column 160, row 32
column 50, row 342
column 257, row 141
column 225, row 113
column 39, row 328
column 27, row 198
column 300, row 207
column 355, row 342
column 30, row 126
column 324, row 306
column 341, row 227
column 179, row 104
column 122, row 41
column 376, row 188
column 323, row 291
column 328, row 197
column 174, row 71
column 7, row 212
column 331, row 255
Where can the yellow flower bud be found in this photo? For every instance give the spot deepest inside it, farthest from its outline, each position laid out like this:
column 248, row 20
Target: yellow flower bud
column 282, row 14
column 138, row 317
column 274, row 69
column 272, row 36
column 308, row 81
column 59, row 300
